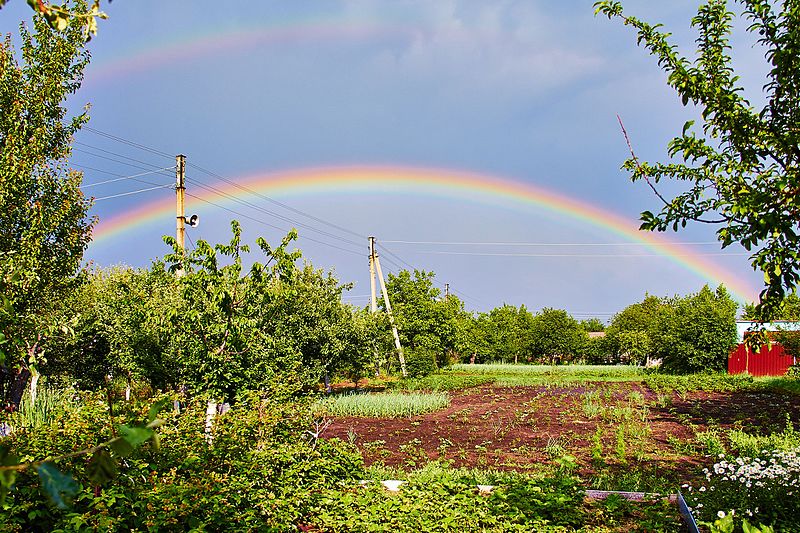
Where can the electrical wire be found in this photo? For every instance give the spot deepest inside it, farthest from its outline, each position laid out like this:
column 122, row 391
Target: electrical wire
column 126, row 141
column 267, row 224
column 443, row 243
column 114, row 154
column 499, row 254
column 131, row 192
column 276, row 202
column 121, row 178
column 251, row 205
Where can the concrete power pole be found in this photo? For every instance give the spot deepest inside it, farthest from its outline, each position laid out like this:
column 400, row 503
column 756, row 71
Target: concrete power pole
column 180, row 203
column 446, row 291
column 391, row 317
column 375, row 262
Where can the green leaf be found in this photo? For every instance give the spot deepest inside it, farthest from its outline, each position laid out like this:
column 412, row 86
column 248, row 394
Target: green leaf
column 7, row 476
column 135, row 436
column 121, row 447
column 58, row 487
column 157, row 408
column 102, row 467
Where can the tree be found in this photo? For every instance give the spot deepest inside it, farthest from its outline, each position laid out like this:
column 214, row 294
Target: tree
column 426, row 322
column 696, row 333
column 789, row 309
column 741, row 167
column 593, row 325
column 61, row 17
column 629, row 336
column 44, row 227
column 556, row 337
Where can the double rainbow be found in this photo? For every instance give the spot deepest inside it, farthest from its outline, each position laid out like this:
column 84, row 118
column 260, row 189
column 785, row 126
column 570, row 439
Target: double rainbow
column 426, row 182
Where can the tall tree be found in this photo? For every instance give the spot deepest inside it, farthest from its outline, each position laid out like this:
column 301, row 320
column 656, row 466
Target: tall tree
column 44, row 227
column 740, row 168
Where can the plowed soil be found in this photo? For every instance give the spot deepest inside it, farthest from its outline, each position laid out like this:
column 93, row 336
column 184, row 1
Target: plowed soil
column 619, row 425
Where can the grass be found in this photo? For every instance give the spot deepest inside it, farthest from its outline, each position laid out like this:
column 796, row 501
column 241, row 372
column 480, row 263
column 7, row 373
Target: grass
column 50, row 403
column 590, row 371
column 385, row 404
column 442, row 382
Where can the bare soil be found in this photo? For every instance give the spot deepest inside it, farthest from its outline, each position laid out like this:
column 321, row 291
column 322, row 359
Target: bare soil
column 521, row 428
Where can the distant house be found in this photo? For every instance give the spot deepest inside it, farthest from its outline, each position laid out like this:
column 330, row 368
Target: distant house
column 772, row 360
column 597, row 334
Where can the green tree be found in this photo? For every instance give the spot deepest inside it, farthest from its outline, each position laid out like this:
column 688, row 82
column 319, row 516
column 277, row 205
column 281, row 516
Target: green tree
column 426, row 322
column 556, row 337
column 740, row 169
column 632, row 329
column 507, row 334
column 44, row 228
column 789, row 309
column 61, row 17
column 696, row 333
column 221, row 342
column 593, row 325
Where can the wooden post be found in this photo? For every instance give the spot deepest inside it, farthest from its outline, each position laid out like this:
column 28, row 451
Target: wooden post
column 180, row 202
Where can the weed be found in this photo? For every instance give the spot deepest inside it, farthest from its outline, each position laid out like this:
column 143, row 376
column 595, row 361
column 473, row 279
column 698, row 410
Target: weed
column 620, row 447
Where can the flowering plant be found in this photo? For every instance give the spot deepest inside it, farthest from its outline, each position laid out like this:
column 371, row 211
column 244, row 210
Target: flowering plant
column 764, row 489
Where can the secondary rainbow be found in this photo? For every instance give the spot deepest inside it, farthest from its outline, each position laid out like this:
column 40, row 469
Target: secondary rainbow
column 427, row 182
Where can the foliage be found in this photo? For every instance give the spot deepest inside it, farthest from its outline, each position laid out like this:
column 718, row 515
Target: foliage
column 556, row 336
column 44, row 227
column 713, row 382
column 62, row 17
column 424, row 319
column 264, row 468
column 593, row 325
column 442, row 382
column 634, row 347
column 60, row 487
column 120, row 319
column 420, row 362
column 384, row 405
column 594, row 371
column 761, row 488
column 696, row 333
column 789, row 309
column 740, row 168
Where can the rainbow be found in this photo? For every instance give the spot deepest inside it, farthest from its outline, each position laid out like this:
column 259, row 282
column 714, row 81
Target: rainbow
column 427, row 182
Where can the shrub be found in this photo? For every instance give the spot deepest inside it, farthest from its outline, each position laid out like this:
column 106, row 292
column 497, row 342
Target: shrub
column 420, row 362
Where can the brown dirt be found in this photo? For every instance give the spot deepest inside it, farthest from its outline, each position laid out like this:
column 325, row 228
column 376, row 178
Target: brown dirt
column 519, row 428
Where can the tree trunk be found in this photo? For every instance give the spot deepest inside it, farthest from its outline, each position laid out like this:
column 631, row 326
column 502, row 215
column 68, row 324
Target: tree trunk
column 327, row 383
column 211, row 412
column 17, row 388
column 34, row 385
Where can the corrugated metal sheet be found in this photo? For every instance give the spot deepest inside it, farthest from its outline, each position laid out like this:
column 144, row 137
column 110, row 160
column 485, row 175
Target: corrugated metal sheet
column 770, row 361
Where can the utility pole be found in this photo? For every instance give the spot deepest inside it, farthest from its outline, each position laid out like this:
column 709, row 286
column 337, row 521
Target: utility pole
column 397, row 345
column 446, row 291
column 180, row 202
column 373, row 304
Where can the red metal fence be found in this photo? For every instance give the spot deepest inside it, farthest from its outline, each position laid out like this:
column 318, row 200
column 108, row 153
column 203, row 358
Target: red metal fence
column 770, row 361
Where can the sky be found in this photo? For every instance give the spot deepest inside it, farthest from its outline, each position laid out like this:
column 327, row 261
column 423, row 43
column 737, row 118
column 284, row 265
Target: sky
column 478, row 140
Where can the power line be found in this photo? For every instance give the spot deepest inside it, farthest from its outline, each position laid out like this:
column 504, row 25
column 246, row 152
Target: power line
column 269, row 213
column 114, row 154
column 270, row 225
column 276, row 202
column 443, row 243
column 499, row 254
column 131, row 192
column 121, row 178
column 134, row 165
column 127, row 142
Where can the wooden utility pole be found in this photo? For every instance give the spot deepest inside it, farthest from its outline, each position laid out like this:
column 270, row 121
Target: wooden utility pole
column 373, row 304
column 397, row 345
column 446, row 291
column 180, row 199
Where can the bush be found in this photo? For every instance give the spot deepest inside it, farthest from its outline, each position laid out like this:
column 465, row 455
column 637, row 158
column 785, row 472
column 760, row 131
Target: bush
column 263, row 468
column 420, row 362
